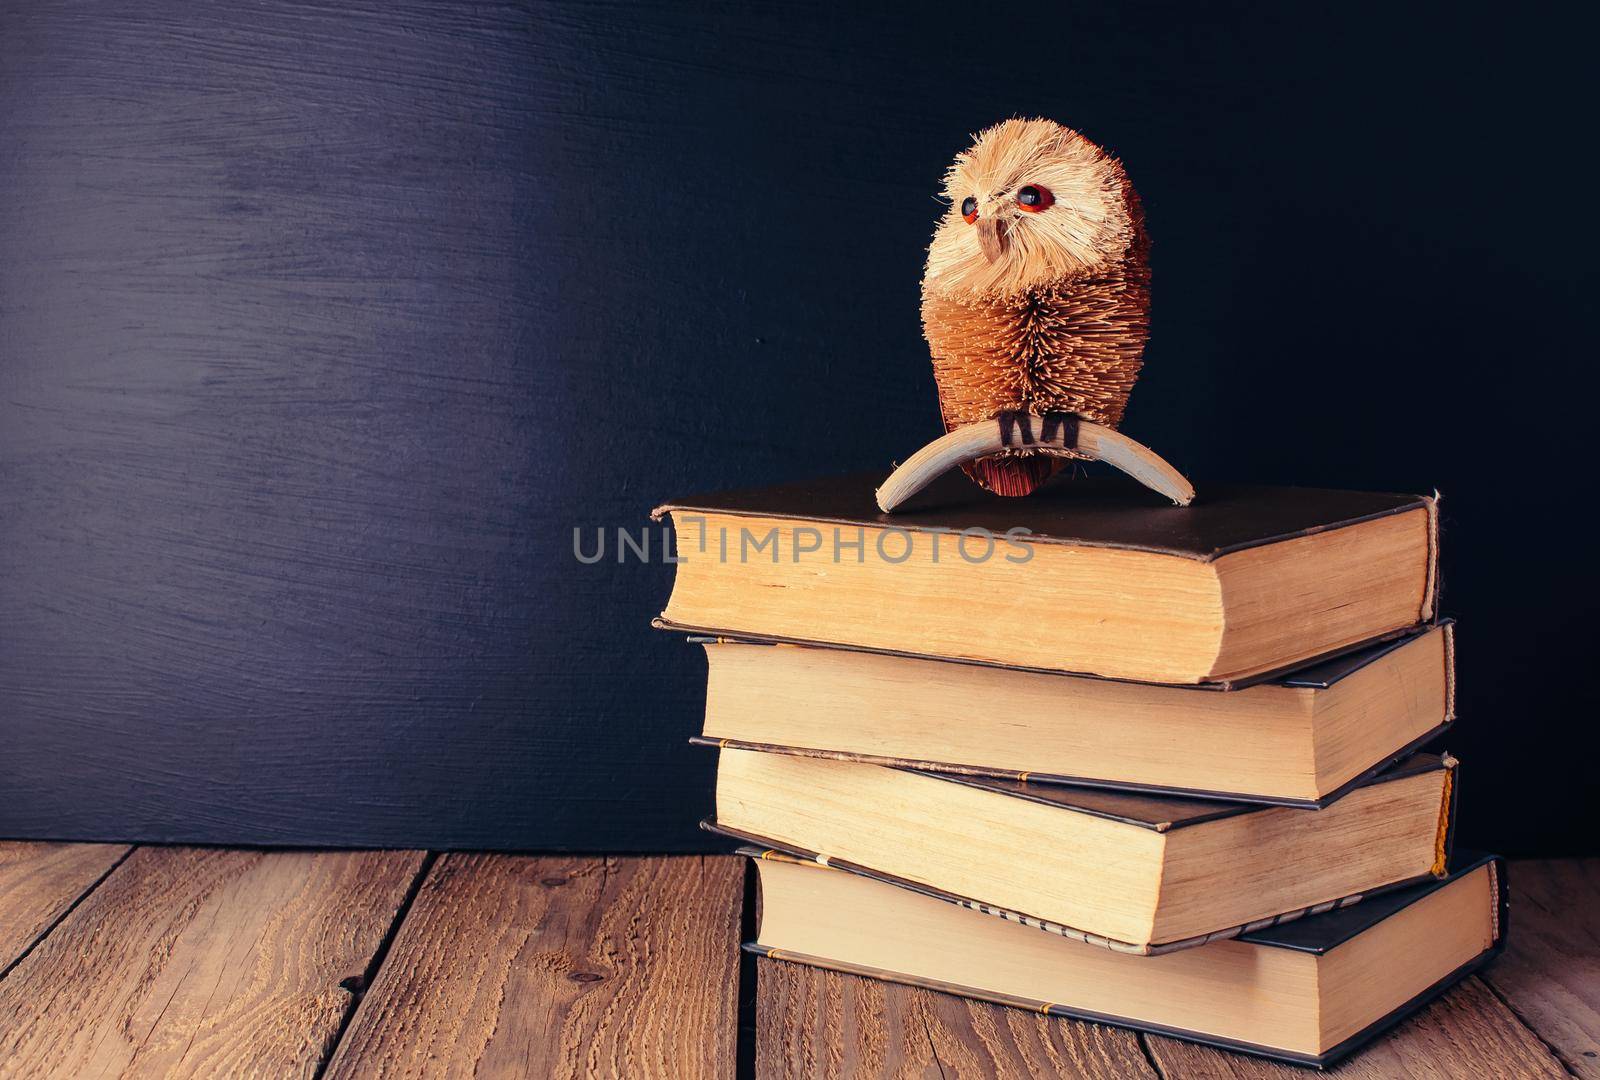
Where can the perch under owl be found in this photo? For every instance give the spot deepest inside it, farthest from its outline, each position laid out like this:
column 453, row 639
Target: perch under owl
column 1036, row 307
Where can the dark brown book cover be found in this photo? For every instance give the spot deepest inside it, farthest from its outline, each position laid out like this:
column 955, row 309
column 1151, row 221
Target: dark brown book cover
column 1095, row 512
column 1318, row 932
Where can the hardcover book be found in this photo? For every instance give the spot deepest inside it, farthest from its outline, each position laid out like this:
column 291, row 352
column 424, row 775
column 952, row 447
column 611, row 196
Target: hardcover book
column 1140, row 874
column 1093, row 576
column 1301, row 739
column 1307, row 992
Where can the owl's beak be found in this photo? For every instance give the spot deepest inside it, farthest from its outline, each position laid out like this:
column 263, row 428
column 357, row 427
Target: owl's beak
column 992, row 237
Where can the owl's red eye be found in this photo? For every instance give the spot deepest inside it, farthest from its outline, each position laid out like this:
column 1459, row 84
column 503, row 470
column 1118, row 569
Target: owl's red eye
column 1034, row 197
column 969, row 209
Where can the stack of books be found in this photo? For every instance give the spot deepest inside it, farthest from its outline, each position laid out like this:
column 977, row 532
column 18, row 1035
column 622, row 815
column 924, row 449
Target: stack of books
column 1093, row 755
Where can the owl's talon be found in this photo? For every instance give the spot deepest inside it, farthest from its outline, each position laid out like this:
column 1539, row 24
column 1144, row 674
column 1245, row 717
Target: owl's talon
column 1013, row 423
column 1056, row 429
column 1064, row 424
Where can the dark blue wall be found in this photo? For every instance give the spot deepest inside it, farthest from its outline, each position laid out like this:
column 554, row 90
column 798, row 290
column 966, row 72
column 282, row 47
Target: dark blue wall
column 321, row 328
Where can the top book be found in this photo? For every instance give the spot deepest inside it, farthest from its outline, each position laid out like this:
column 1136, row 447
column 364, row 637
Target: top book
column 1097, row 576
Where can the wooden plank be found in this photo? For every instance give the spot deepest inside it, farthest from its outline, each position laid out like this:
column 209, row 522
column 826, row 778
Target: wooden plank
column 814, row 1023
column 202, row 962
column 1550, row 972
column 558, row 967
column 1468, row 1032
column 38, row 882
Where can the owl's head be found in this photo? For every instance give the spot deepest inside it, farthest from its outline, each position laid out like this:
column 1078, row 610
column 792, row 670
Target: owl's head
column 1032, row 204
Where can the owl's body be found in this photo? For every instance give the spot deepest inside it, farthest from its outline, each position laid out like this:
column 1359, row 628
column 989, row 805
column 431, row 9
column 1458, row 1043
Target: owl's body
column 1037, row 292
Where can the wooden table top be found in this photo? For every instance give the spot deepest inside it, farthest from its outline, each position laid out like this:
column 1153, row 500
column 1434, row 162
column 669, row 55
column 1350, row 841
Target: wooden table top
column 154, row 961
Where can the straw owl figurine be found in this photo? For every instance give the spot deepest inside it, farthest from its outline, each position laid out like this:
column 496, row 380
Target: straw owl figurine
column 1036, row 297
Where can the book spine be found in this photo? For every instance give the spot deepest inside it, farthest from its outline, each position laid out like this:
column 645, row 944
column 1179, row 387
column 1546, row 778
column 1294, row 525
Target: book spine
column 1445, row 834
column 1430, row 589
column 1499, row 903
column 1449, row 630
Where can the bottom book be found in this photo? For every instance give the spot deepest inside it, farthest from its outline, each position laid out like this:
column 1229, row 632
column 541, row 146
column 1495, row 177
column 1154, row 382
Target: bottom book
column 1307, row 992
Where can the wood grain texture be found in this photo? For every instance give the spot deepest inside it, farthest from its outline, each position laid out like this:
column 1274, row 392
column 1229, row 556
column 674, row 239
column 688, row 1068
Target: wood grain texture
column 812, row 1023
column 557, row 967
column 39, row 882
column 1550, row 972
column 1466, row 1033
column 204, row 963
